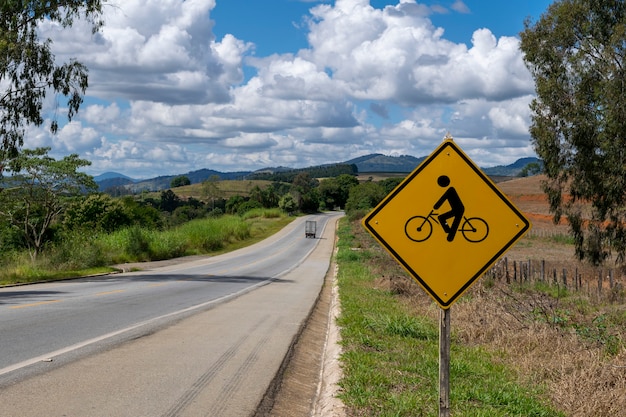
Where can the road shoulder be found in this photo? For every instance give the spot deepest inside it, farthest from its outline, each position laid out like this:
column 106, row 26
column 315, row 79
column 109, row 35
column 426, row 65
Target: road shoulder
column 307, row 384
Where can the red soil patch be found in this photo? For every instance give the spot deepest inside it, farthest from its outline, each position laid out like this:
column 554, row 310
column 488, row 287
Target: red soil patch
column 535, row 198
column 544, row 218
column 541, row 242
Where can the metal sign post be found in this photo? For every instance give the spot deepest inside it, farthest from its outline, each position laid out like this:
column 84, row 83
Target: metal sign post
column 444, row 363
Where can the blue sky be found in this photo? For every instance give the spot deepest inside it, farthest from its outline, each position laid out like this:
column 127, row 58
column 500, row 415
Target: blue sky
column 279, row 28
column 241, row 85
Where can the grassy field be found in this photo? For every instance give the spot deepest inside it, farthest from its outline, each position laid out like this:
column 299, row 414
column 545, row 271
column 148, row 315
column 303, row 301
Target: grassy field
column 88, row 254
column 518, row 349
column 226, row 189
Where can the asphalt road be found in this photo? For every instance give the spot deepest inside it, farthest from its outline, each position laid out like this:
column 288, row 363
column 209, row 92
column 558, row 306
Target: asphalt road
column 203, row 338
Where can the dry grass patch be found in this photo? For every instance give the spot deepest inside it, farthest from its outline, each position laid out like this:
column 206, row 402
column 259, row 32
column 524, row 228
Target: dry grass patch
column 570, row 344
column 579, row 375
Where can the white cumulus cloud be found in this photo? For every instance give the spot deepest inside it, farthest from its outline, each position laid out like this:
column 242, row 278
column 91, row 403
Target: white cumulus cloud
column 167, row 96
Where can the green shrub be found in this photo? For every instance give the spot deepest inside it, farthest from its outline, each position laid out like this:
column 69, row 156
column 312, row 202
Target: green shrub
column 365, row 196
column 355, row 215
column 168, row 244
column 265, row 213
column 142, row 214
column 216, row 212
column 287, row 203
column 137, row 244
column 247, row 206
column 97, row 212
column 76, row 250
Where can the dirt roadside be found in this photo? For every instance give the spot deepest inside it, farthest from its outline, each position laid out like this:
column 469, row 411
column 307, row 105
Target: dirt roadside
column 307, row 383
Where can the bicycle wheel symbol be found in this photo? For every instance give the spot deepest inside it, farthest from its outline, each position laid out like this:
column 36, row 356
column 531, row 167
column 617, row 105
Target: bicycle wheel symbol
column 418, row 228
column 475, row 229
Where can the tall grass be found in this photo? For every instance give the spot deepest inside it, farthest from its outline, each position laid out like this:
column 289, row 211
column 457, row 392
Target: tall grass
column 195, row 237
column 80, row 251
column 207, row 236
column 266, row 213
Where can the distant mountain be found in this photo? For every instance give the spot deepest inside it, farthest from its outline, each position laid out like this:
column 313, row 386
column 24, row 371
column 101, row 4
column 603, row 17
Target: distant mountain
column 111, row 175
column 407, row 163
column 272, row 170
column 367, row 163
column 382, row 163
column 205, row 174
column 512, row 170
column 112, row 179
column 114, row 182
column 163, row 182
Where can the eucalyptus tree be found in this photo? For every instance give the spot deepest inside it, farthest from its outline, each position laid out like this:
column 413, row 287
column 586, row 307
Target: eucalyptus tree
column 576, row 53
column 29, row 70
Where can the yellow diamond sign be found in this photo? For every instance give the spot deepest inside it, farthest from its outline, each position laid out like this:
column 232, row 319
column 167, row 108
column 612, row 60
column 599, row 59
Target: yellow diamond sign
column 446, row 223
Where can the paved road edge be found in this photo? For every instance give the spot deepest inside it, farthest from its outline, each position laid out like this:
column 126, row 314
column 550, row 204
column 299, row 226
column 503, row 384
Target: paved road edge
column 306, row 383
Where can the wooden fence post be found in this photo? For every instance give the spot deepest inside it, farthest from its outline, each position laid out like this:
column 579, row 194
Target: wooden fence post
column 506, row 268
column 580, row 281
column 600, row 283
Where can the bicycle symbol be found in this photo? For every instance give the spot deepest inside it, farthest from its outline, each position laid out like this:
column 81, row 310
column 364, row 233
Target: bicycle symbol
column 419, row 228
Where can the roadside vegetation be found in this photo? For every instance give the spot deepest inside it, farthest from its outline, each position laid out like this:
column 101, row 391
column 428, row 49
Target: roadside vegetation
column 54, row 224
column 80, row 253
column 390, row 338
column 517, row 349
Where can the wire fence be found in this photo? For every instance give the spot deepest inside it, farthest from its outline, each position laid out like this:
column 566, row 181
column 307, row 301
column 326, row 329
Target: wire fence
column 603, row 284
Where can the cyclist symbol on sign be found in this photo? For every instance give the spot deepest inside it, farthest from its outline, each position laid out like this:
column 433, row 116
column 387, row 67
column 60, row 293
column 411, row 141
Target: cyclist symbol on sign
column 473, row 229
column 456, row 208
